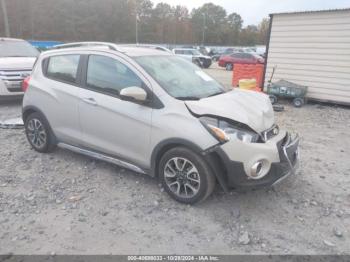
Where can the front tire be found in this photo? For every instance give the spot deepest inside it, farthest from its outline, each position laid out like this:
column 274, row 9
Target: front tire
column 206, row 66
column 229, row 67
column 186, row 176
column 38, row 133
column 197, row 63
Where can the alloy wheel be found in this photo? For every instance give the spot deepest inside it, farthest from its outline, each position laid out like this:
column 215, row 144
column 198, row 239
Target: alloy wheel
column 36, row 133
column 182, row 177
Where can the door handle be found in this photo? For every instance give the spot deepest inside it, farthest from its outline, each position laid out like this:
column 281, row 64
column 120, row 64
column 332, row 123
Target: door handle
column 90, row 100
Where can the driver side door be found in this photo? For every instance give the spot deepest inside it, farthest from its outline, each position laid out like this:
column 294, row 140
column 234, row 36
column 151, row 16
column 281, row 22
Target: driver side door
column 109, row 124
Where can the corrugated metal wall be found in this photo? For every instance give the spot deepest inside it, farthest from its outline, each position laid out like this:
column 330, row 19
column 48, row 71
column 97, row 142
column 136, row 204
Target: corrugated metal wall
column 312, row 49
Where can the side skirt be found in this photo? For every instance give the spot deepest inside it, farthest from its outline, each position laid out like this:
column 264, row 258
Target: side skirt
column 102, row 157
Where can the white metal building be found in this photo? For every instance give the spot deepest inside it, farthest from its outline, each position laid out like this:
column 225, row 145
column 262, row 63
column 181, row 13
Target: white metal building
column 312, row 49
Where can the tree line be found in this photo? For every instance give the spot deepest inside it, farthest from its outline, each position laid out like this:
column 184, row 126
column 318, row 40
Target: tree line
column 117, row 20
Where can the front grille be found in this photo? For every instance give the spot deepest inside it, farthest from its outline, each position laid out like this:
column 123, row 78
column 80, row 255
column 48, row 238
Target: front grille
column 270, row 133
column 13, row 79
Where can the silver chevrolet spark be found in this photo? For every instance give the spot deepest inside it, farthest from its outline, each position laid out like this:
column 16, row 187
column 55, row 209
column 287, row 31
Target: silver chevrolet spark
column 158, row 114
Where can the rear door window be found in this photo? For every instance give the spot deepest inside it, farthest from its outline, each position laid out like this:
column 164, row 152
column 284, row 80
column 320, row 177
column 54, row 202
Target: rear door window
column 63, row 68
column 248, row 56
column 109, row 76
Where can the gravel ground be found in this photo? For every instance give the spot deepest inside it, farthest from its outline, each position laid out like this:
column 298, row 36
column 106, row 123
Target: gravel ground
column 65, row 203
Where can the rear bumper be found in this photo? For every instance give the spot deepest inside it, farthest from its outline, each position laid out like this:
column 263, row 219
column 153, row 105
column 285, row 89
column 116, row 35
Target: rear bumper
column 233, row 174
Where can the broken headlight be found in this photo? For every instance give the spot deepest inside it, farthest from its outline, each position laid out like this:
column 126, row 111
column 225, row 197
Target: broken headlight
column 224, row 131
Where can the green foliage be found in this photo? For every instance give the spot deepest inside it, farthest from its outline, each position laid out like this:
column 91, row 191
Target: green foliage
column 115, row 21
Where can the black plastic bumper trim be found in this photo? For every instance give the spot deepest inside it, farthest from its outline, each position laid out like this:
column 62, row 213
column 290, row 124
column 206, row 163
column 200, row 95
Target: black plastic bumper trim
column 232, row 174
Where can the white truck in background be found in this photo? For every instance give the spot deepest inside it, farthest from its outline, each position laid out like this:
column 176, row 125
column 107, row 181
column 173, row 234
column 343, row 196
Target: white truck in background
column 17, row 58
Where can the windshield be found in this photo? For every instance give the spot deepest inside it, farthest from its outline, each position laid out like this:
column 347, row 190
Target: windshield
column 180, row 78
column 17, row 49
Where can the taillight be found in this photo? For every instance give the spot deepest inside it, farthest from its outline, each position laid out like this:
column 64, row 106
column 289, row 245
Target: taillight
column 25, row 83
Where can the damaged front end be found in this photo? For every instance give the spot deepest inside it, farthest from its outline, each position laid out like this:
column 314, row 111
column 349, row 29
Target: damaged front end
column 255, row 165
column 252, row 150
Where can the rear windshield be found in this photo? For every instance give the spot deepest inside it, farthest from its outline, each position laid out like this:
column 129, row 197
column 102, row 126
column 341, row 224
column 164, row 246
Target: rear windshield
column 17, row 49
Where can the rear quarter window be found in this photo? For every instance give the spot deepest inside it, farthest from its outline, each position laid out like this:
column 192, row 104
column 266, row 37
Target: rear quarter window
column 63, row 68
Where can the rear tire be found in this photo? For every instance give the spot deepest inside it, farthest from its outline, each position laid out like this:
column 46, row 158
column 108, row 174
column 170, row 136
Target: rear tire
column 186, row 176
column 229, row 67
column 39, row 133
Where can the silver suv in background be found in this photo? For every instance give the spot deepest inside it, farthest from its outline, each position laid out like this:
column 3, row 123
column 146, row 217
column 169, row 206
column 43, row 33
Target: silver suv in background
column 194, row 56
column 155, row 113
column 17, row 58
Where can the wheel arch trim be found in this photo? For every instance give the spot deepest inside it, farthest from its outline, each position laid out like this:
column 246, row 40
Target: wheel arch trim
column 27, row 110
column 167, row 144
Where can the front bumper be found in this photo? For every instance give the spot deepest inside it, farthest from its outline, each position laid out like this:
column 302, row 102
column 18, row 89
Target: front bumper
column 10, row 88
column 283, row 164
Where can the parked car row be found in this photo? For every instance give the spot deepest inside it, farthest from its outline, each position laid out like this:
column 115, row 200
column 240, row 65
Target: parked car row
column 215, row 55
column 204, row 56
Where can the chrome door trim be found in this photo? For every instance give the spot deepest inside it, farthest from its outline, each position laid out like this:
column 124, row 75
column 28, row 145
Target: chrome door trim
column 102, row 157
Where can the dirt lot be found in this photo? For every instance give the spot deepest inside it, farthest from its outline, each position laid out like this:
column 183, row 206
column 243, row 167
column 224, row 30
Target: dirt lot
column 65, row 203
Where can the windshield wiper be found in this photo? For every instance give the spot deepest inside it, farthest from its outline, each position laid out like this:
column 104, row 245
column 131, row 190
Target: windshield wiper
column 217, row 93
column 187, row 98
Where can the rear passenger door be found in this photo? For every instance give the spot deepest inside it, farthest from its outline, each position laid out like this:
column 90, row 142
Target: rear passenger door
column 61, row 90
column 111, row 125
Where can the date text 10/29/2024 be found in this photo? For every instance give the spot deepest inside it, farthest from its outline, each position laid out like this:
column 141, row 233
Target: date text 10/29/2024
column 173, row 258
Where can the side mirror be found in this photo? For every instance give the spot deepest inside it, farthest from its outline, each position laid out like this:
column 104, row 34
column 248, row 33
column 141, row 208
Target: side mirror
column 133, row 93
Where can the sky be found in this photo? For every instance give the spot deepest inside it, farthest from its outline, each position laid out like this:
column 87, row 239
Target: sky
column 253, row 11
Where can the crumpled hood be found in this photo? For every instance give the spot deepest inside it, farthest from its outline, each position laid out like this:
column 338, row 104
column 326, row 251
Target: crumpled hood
column 16, row 63
column 248, row 107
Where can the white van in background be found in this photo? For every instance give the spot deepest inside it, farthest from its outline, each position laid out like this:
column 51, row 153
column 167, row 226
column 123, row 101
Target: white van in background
column 17, row 58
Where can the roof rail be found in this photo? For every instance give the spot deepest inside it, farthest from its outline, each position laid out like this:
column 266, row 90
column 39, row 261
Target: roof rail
column 157, row 47
column 82, row 44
